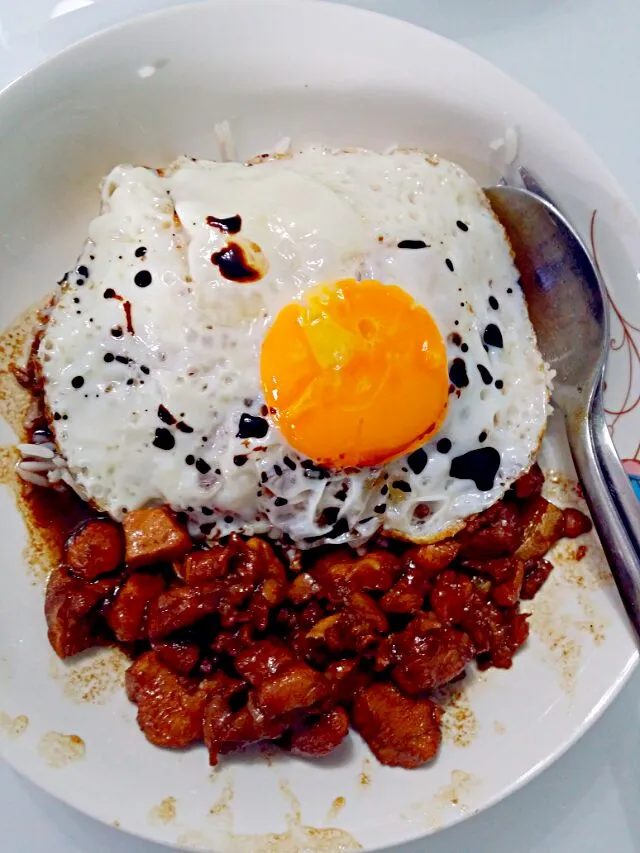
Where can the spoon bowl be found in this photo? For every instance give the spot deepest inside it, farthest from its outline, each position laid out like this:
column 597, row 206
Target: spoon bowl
column 565, row 299
column 567, row 305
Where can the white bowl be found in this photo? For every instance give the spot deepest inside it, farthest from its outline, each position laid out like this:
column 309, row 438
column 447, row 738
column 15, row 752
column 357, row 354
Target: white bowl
column 145, row 93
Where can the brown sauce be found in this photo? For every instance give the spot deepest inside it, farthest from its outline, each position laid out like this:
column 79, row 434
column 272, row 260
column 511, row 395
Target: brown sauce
column 54, row 515
column 235, row 265
column 228, row 225
column 49, row 516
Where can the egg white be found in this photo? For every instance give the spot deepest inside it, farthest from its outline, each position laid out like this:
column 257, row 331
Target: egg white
column 146, row 401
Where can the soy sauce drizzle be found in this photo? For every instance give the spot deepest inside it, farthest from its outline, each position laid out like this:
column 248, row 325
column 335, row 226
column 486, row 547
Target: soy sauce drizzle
column 111, row 294
column 228, row 225
column 234, row 265
column 479, row 465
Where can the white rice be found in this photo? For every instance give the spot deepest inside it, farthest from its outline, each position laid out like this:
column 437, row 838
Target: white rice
column 507, row 145
column 39, row 439
column 41, row 467
column 39, row 462
column 222, row 131
column 30, row 477
column 36, row 451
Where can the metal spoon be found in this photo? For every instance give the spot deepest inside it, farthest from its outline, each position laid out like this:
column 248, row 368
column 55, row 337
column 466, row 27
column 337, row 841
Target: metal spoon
column 567, row 306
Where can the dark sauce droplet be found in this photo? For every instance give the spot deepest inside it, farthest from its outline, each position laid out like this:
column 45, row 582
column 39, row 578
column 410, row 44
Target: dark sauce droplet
column 164, row 440
column 142, row 278
column 228, row 225
column 487, row 378
column 140, row 252
column 449, row 264
column 339, row 529
column 233, row 264
column 458, row 373
column 462, row 225
column 401, row 486
column 456, row 338
column 281, row 502
column 329, row 516
column 482, row 437
column 493, row 303
column 479, row 465
column 116, row 332
column 239, row 460
column 252, row 427
column 313, row 471
column 202, row 466
column 412, row 244
column 417, row 461
column 83, row 271
column 443, row 446
column 464, row 347
column 493, row 336
column 77, row 381
column 499, row 384
column 165, row 415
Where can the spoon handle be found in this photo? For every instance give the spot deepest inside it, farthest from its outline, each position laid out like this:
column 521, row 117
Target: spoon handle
column 620, row 549
column 614, row 474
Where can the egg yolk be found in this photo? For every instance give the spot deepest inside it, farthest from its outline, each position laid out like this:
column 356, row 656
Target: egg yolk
column 355, row 376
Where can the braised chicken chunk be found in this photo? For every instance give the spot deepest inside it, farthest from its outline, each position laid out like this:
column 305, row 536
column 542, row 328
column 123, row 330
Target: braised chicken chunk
column 240, row 642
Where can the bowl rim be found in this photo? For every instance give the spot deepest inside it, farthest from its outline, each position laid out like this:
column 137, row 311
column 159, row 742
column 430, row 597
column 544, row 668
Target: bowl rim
column 12, row 90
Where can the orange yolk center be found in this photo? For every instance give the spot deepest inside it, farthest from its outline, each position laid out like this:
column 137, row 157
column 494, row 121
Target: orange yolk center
column 357, row 375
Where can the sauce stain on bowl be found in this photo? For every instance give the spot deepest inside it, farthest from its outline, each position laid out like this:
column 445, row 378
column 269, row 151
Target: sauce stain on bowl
column 336, row 807
column 455, row 796
column 59, row 750
column 165, row 812
column 297, row 836
column 459, row 722
column 13, row 727
column 93, row 679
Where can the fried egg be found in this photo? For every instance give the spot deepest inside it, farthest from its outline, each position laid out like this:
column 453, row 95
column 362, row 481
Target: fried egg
column 314, row 346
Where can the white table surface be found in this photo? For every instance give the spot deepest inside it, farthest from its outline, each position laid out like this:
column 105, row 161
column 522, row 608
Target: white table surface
column 581, row 56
